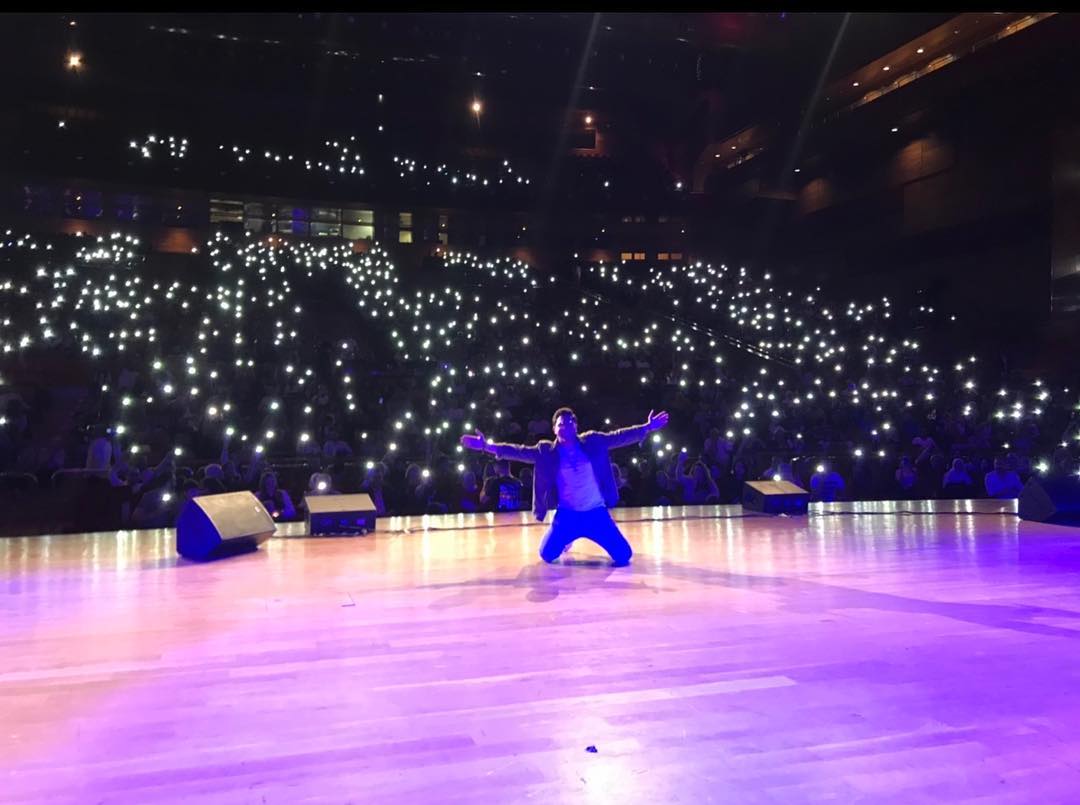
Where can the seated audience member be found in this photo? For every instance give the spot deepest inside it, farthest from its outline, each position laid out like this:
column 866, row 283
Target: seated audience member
column 826, row 485
column 320, row 483
column 412, row 496
column 502, row 493
column 772, row 473
column 274, row 499
column 158, row 505
column 469, row 498
column 906, row 478
column 445, row 487
column 663, row 489
column 213, row 486
column 957, row 475
column 622, row 484
column 309, row 449
column 539, row 428
column 334, row 446
column 346, row 475
column 373, row 486
column 731, row 491
column 526, row 479
column 1002, row 482
column 697, row 485
column 231, row 478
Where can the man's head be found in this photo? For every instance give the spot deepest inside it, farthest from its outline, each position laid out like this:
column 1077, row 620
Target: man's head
column 502, row 468
column 564, row 423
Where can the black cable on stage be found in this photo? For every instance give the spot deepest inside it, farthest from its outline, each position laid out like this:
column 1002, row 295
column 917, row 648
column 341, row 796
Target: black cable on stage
column 744, row 516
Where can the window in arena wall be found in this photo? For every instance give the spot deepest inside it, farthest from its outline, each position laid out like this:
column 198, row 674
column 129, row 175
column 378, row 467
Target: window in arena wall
column 358, row 217
column 325, row 230
column 288, row 227
column 676, row 255
column 253, row 209
column 626, row 255
column 326, row 215
column 663, row 256
column 405, row 221
column 226, row 211
column 289, row 212
column 443, row 239
column 639, row 255
column 405, row 235
column 358, row 231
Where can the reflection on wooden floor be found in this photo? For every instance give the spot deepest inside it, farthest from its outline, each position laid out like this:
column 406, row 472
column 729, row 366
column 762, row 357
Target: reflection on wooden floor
column 879, row 656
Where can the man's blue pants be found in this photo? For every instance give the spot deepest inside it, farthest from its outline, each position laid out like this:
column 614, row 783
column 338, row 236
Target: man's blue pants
column 595, row 524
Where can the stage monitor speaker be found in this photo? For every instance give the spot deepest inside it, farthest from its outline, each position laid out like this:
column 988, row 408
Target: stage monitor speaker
column 339, row 515
column 212, row 526
column 775, row 497
column 1051, row 500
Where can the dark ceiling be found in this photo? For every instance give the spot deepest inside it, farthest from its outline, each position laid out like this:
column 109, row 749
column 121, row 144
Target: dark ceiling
column 644, row 72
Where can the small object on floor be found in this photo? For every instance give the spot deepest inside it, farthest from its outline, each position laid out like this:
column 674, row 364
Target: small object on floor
column 590, row 749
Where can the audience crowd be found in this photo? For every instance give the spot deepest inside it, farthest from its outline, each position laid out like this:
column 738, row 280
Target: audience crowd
column 294, row 369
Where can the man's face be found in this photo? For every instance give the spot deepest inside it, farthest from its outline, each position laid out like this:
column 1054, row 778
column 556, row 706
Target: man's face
column 566, row 427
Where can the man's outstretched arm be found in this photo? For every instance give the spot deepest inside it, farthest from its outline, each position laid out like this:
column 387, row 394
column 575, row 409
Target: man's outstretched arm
column 623, row 437
column 511, row 452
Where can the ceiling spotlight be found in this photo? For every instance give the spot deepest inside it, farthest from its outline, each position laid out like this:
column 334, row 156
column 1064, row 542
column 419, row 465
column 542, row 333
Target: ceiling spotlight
column 895, row 129
column 74, row 60
column 886, row 68
column 477, row 107
column 920, row 50
column 588, row 120
column 855, row 84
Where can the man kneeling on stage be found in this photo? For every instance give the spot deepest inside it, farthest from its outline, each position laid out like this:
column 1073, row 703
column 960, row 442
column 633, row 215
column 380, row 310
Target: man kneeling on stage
column 574, row 476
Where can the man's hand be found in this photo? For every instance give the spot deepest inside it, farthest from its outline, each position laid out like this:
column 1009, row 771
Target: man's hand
column 657, row 421
column 477, row 442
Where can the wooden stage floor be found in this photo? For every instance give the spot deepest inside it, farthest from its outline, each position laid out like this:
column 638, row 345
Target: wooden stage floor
column 876, row 657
